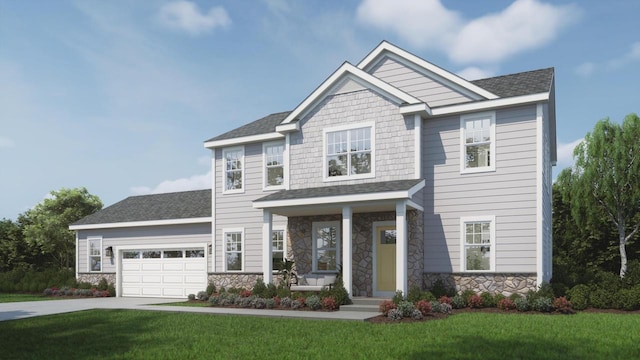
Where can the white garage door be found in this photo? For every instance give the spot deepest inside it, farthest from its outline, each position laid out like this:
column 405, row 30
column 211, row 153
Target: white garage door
column 173, row 273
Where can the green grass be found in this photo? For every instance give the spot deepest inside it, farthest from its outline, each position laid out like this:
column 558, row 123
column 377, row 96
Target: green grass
column 111, row 334
column 5, row 298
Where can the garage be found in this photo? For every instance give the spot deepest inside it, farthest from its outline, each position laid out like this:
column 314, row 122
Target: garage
column 171, row 273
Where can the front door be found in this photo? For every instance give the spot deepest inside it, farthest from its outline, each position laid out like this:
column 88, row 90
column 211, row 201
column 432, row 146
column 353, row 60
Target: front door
column 385, row 247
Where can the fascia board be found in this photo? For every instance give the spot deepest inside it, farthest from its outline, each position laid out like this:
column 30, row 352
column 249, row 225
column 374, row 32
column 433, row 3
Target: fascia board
column 141, row 223
column 243, row 140
column 341, row 199
column 490, row 104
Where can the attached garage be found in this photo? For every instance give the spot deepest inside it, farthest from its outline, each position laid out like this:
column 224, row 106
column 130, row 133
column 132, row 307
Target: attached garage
column 148, row 246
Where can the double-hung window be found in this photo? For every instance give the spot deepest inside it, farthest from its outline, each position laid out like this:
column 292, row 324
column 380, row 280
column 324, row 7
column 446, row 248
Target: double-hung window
column 94, row 248
column 477, row 135
column 273, row 165
column 326, row 246
column 478, row 243
column 349, row 152
column 233, row 246
column 278, row 248
column 233, row 168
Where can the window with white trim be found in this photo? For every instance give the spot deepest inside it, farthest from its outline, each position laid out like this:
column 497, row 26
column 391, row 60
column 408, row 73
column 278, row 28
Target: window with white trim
column 233, row 164
column 477, row 137
column 273, row 165
column 326, row 246
column 233, row 250
column 349, row 153
column 94, row 251
column 478, row 243
column 278, row 248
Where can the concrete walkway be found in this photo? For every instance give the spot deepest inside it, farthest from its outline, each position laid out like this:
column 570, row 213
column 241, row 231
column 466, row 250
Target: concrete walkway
column 21, row 310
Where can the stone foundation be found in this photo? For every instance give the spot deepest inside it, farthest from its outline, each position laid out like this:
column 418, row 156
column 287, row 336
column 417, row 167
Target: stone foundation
column 94, row 278
column 495, row 283
column 238, row 280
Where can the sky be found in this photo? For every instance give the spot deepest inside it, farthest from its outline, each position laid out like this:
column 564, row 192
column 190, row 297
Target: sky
column 119, row 96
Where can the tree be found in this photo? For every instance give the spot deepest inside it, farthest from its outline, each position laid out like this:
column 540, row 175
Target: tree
column 607, row 178
column 46, row 226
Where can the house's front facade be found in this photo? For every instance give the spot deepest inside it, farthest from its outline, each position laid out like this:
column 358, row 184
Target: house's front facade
column 395, row 171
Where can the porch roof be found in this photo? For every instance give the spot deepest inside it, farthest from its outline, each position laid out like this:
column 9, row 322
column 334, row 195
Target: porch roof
column 369, row 197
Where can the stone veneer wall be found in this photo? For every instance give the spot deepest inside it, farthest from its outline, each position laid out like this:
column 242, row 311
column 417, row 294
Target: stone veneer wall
column 94, row 278
column 300, row 246
column 496, row 283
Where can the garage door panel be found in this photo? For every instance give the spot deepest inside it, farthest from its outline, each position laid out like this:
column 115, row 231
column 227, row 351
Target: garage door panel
column 130, row 291
column 151, row 291
column 128, row 265
column 198, row 265
column 172, row 266
column 172, row 279
column 131, row 279
column 194, row 279
column 173, row 292
column 152, row 279
column 152, row 266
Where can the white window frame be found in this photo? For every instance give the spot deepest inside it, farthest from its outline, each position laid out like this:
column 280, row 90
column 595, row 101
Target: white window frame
column 372, row 174
column 265, row 167
column 315, row 227
column 224, row 247
column 284, row 244
column 491, row 115
column 463, row 243
column 224, row 170
column 89, row 256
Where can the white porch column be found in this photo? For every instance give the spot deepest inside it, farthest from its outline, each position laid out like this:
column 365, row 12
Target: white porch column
column 401, row 247
column 267, row 250
column 347, row 252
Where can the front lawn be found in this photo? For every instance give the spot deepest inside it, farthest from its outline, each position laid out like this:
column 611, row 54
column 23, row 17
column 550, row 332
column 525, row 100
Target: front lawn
column 166, row 335
column 5, row 298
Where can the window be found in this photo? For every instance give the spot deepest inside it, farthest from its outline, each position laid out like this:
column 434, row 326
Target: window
column 171, row 254
column 278, row 248
column 233, row 163
column 233, row 250
column 274, row 165
column 478, row 146
column 349, row 153
column 95, row 254
column 326, row 246
column 478, row 241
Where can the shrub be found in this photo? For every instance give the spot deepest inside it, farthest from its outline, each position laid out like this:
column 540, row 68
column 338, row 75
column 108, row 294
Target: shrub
column 542, row 304
column 202, row 296
column 488, row 300
column 283, row 291
column 245, row 293
column 285, row 302
column 445, row 300
column 475, row 301
column 397, row 297
column 339, row 293
column 427, row 295
column 386, row 306
column 259, row 288
column 467, row 294
column 562, row 305
column 313, row 302
column 424, row 307
column 406, row 308
column 103, row 284
column 329, row 303
column 270, row 303
column 191, row 297
column 48, row 292
column 439, row 289
column 506, row 304
column 437, row 307
column 579, row 296
column 214, row 300
column 601, row 298
column 414, row 294
column 111, row 290
column 211, row 288
column 260, row 303
column 521, row 304
column 395, row 314
column 270, row 291
column 445, row 308
column 498, row 297
column 458, row 302
column 514, row 296
column 246, row 302
column 629, row 299
column 416, row 314
column 297, row 304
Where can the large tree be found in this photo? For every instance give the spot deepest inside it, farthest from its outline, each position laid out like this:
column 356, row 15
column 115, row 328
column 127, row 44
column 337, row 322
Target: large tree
column 46, row 226
column 607, row 178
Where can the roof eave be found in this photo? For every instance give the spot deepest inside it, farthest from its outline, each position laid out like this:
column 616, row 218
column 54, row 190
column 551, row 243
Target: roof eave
column 127, row 224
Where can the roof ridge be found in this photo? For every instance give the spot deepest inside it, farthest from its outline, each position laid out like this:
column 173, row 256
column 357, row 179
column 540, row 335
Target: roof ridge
column 516, row 73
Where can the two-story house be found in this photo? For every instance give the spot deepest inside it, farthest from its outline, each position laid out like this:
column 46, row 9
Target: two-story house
column 394, row 171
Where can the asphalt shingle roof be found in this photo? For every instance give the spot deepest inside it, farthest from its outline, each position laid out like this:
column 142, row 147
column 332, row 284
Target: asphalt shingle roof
column 264, row 125
column 340, row 190
column 178, row 205
column 524, row 83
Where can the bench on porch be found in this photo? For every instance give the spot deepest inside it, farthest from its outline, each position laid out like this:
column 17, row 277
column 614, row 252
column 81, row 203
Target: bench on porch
column 312, row 282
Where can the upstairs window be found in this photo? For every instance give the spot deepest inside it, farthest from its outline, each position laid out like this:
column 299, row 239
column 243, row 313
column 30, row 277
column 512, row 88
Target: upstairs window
column 477, row 152
column 273, row 165
column 233, row 163
column 349, row 153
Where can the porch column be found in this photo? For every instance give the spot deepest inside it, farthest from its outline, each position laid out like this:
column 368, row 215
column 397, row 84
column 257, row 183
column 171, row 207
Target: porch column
column 347, row 252
column 401, row 247
column 267, row 250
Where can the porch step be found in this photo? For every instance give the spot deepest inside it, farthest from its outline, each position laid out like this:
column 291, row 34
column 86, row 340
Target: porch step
column 363, row 304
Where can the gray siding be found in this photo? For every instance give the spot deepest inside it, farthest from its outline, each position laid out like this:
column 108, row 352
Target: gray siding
column 509, row 193
column 236, row 210
column 417, row 84
column 394, row 139
column 140, row 236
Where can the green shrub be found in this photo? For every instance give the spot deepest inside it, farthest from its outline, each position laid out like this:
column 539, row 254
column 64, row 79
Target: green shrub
column 542, row 304
column 202, row 296
column 467, row 294
column 191, row 297
column 629, row 299
column 498, row 297
column 395, row 314
column 458, row 302
column 112, row 290
column 259, row 288
column 439, row 289
column 601, row 298
column 488, row 300
column 211, row 288
column 259, row 303
column 270, row 291
column 414, row 294
column 397, row 297
column 632, row 276
column 514, row 296
column 339, row 293
column 270, row 303
column 521, row 304
column 416, row 314
column 579, row 296
column 103, row 284
column 313, row 302
column 406, row 308
column 283, row 291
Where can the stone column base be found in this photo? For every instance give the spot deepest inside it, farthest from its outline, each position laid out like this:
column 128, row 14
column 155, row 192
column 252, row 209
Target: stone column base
column 495, row 283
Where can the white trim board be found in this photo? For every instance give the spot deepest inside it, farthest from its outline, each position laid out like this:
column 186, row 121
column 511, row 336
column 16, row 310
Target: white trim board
column 141, row 223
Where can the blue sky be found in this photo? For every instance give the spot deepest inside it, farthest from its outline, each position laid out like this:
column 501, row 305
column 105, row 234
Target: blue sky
column 119, row 96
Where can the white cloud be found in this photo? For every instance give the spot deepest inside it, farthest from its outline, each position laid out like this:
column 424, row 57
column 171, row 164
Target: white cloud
column 185, row 16
column 565, row 153
column 5, row 142
column 195, row 182
column 632, row 55
column 475, row 73
column 524, row 25
column 585, row 69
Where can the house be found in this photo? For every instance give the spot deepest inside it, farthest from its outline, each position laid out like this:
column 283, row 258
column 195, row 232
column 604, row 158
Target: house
column 393, row 170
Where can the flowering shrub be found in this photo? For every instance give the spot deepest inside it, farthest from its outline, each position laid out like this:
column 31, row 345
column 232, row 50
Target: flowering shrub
column 475, row 301
column 386, row 306
column 395, row 314
column 424, row 307
column 506, row 304
column 245, row 293
column 329, row 303
column 562, row 305
column 445, row 300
